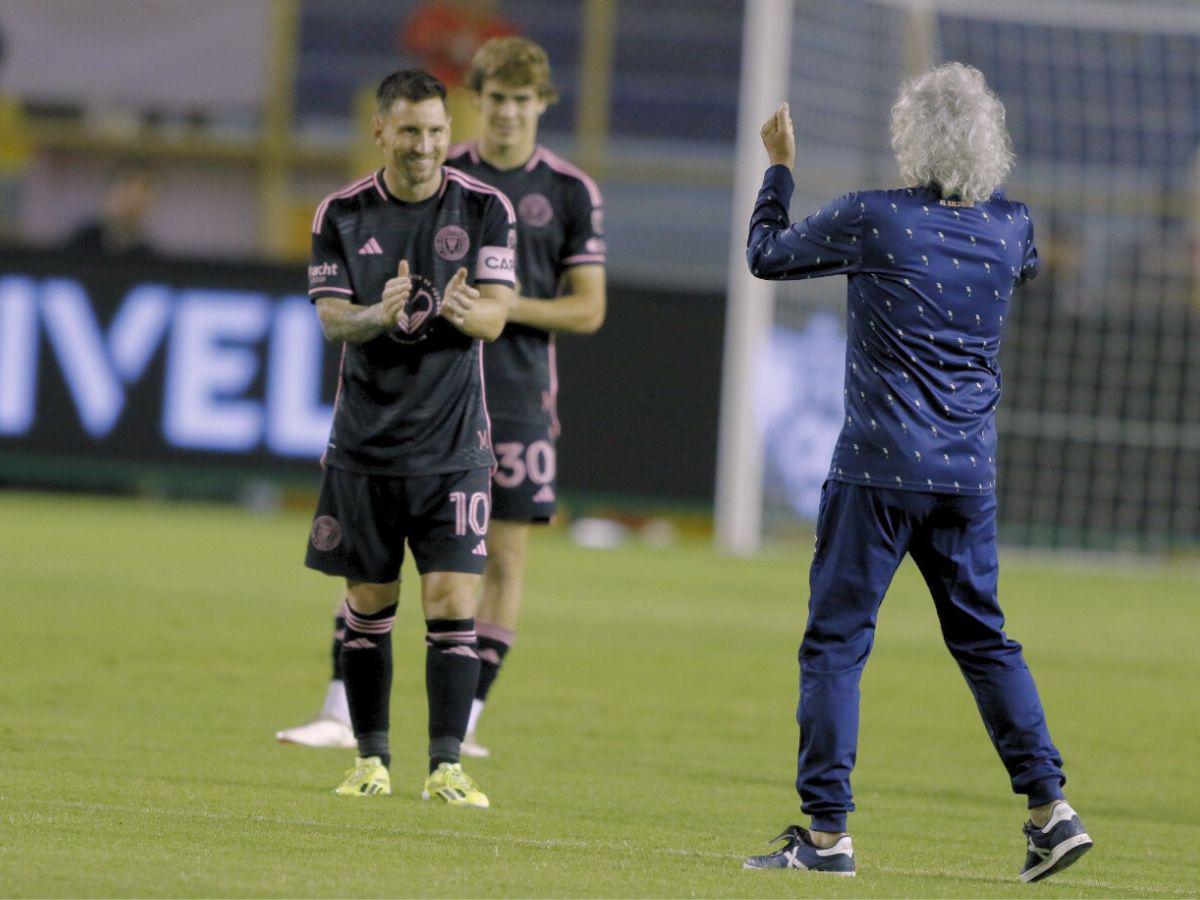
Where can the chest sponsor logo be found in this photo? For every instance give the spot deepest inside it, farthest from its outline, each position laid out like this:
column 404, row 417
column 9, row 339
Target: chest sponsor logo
column 451, row 243
column 424, row 303
column 319, row 274
column 535, row 210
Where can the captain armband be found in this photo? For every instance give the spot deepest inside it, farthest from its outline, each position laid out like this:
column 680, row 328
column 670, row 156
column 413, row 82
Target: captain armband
column 496, row 264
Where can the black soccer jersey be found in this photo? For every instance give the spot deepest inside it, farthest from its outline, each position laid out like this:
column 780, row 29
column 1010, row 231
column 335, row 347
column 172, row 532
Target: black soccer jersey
column 411, row 401
column 560, row 223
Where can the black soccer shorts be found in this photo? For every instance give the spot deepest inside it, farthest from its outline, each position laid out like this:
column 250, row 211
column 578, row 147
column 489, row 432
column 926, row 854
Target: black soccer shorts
column 523, row 487
column 363, row 521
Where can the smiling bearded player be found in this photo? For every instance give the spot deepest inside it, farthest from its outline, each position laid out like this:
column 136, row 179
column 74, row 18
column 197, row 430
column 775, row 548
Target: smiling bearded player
column 560, row 267
column 411, row 267
column 561, row 284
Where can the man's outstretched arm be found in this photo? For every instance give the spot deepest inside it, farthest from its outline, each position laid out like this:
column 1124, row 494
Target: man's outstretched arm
column 826, row 243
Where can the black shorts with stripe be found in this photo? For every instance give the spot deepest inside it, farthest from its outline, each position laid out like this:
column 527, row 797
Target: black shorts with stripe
column 363, row 521
column 524, row 486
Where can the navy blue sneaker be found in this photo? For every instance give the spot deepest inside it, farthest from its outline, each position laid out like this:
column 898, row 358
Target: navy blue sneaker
column 1059, row 844
column 801, row 853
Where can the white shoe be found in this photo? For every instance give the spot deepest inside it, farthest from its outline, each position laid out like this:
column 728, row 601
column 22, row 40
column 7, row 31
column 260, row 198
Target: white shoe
column 470, row 748
column 322, row 732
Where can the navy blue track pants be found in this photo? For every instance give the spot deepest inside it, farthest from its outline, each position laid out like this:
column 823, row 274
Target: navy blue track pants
column 862, row 535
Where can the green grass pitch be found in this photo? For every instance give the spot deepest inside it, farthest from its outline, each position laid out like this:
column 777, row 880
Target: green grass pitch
column 643, row 732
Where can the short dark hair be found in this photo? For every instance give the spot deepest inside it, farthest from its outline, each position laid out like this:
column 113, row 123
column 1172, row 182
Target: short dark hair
column 413, row 85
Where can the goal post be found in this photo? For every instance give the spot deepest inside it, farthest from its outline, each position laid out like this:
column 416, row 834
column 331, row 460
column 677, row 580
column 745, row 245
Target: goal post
column 765, row 83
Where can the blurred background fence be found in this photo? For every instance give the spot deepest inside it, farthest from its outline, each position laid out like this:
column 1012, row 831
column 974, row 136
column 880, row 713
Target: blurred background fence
column 198, row 365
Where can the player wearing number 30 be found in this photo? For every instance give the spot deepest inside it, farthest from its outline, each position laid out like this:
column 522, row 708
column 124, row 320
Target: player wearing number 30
column 411, row 266
column 560, row 267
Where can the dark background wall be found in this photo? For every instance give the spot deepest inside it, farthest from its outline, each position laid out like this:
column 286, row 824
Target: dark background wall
column 638, row 400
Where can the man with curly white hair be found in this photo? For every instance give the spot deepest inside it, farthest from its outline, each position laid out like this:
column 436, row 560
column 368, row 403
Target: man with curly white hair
column 930, row 270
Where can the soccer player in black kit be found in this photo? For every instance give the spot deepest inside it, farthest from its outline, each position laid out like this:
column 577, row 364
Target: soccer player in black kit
column 561, row 283
column 560, row 266
column 411, row 266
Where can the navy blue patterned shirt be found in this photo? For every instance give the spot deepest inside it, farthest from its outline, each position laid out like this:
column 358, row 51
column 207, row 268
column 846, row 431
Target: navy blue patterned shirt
column 929, row 282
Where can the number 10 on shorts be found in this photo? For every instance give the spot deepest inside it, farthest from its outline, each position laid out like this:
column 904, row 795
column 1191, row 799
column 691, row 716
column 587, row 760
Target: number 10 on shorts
column 473, row 512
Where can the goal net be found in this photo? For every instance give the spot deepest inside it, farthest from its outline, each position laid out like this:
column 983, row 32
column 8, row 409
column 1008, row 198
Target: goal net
column 1100, row 420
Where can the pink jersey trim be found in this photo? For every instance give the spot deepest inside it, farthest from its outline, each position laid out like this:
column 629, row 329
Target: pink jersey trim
column 379, row 187
column 487, row 417
column 558, row 164
column 552, row 365
column 348, row 191
column 474, row 184
column 330, row 290
column 582, row 258
column 337, row 396
column 471, row 148
column 534, row 160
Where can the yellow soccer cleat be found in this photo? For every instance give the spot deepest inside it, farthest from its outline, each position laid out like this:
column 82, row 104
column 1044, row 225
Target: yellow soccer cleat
column 450, row 784
column 368, row 778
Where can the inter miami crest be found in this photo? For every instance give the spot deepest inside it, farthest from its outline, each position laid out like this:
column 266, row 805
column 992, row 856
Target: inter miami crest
column 326, row 533
column 451, row 243
column 535, row 210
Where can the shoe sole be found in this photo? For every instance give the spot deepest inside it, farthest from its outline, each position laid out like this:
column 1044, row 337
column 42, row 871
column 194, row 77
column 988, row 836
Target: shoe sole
column 340, row 793
column 747, row 865
column 425, row 796
column 1062, row 856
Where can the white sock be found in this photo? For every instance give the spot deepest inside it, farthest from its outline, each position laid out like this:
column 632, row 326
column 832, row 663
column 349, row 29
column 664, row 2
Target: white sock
column 335, row 706
column 476, row 712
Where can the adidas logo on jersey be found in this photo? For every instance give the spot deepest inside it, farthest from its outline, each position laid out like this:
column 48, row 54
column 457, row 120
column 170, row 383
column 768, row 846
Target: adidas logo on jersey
column 480, row 549
column 545, row 495
column 370, row 248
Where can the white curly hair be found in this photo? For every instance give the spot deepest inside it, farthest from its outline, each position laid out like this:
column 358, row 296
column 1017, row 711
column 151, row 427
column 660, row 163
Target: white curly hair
column 948, row 132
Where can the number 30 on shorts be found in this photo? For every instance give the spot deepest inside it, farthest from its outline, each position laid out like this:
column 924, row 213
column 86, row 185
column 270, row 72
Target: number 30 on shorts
column 518, row 462
column 471, row 511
